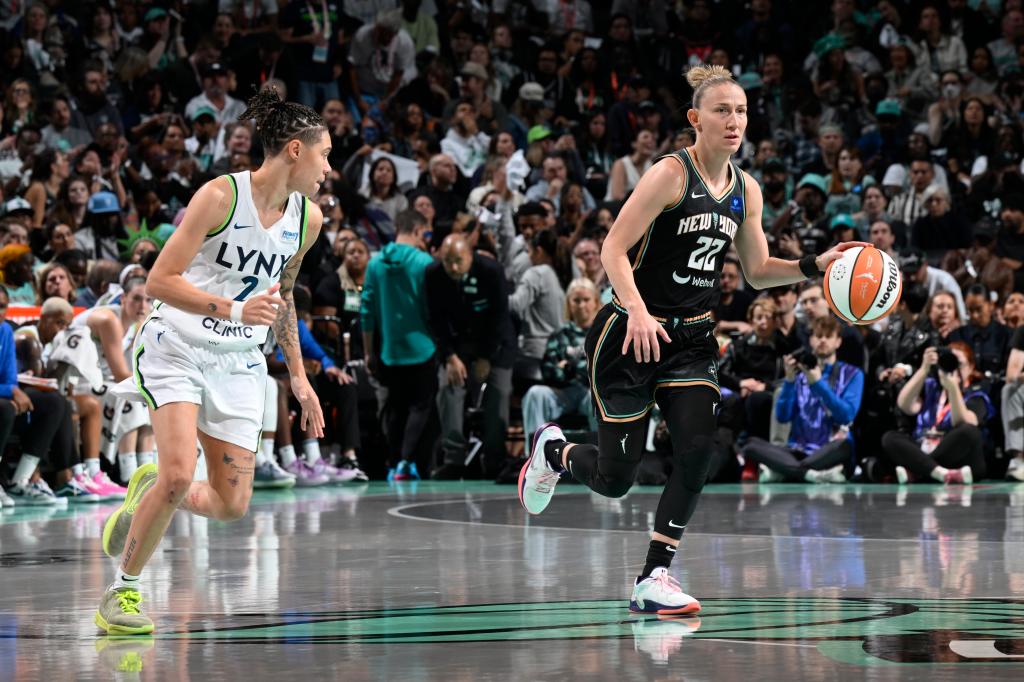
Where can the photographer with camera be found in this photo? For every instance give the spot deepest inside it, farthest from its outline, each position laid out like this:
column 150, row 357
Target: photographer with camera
column 820, row 399
column 949, row 408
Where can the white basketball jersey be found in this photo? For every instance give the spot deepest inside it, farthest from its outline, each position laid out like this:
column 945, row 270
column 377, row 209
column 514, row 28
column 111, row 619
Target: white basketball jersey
column 238, row 260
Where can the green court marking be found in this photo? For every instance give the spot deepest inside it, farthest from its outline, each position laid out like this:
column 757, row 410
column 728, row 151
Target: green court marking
column 849, row 630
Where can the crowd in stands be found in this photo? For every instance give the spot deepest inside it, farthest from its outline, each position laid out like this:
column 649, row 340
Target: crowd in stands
column 481, row 152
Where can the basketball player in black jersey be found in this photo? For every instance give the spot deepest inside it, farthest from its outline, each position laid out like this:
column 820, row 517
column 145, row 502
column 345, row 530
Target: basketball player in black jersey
column 664, row 257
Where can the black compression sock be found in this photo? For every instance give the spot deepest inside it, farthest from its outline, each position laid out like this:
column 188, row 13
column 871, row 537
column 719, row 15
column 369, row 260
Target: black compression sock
column 553, row 453
column 658, row 554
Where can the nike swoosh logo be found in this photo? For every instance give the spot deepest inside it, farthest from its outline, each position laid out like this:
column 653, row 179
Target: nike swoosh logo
column 241, row 227
column 675, row 525
column 248, row 366
column 694, row 195
column 680, row 280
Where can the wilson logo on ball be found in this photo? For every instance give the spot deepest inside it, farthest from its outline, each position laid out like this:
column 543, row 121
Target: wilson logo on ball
column 863, row 286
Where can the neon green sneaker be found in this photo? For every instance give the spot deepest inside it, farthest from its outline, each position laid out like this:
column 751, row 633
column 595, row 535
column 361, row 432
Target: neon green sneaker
column 117, row 525
column 123, row 654
column 120, row 614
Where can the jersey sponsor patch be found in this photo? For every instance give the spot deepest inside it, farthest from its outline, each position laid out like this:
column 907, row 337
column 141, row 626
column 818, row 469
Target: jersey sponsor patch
column 289, row 236
column 736, row 205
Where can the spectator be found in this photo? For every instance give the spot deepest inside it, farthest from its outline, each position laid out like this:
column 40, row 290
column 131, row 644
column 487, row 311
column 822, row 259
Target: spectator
column 101, row 227
column 1004, row 48
column 59, row 238
column 1010, row 242
column 943, row 227
column 803, row 227
column 731, row 313
column 937, row 49
column 813, row 306
column 882, row 238
column 381, row 57
column 59, row 134
column 587, row 255
column 16, row 261
column 55, row 282
column 915, row 269
column 475, row 81
column 469, row 315
column 555, row 175
column 49, row 172
column 91, row 106
column 988, row 339
column 465, row 142
column 848, row 183
column 820, row 399
column 913, row 86
column 420, row 26
column 1012, row 313
column 626, row 170
column 945, row 443
column 873, row 209
column 406, row 360
column 538, row 302
column 19, row 106
column 381, row 188
column 215, row 97
column 909, row 206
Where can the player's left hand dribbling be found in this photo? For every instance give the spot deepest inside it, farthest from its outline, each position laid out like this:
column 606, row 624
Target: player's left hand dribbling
column 312, row 415
column 835, row 253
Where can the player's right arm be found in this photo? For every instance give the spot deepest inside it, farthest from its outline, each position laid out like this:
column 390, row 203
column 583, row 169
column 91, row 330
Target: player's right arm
column 206, row 212
column 660, row 187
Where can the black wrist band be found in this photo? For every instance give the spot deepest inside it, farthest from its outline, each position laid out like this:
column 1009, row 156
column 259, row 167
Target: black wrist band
column 809, row 266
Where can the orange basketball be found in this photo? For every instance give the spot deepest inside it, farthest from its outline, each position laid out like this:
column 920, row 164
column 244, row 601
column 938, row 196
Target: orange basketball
column 863, row 286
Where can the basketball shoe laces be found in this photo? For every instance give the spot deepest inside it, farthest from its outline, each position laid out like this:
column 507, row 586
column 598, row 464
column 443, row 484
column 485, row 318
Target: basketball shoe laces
column 546, row 482
column 668, row 583
column 129, row 601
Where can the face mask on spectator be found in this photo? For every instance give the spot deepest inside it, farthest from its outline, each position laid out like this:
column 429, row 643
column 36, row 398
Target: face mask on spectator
column 951, row 91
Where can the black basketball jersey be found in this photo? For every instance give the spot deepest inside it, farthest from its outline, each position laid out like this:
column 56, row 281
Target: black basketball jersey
column 677, row 263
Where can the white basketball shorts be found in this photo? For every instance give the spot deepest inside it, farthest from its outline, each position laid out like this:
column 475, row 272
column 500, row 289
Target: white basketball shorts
column 229, row 386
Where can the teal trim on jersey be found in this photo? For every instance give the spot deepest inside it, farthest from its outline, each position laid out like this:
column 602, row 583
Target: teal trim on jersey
column 743, row 191
column 140, row 383
column 304, row 221
column 231, row 213
column 728, row 190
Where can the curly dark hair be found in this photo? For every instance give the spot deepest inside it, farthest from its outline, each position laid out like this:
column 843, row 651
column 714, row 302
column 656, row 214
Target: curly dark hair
column 278, row 122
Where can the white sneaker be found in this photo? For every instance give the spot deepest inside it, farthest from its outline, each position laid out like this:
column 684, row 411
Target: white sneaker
column 61, row 501
column 660, row 593
column 769, row 475
column 5, row 499
column 833, row 475
column 1015, row 472
column 32, row 495
column 902, row 477
column 537, row 479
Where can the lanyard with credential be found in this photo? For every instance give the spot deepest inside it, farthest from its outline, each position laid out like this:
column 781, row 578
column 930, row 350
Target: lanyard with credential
column 316, row 22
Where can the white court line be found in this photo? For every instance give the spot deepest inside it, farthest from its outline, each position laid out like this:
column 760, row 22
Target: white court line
column 397, row 512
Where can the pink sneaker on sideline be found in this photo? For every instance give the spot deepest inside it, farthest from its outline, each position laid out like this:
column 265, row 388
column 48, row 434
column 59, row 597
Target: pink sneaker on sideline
column 107, row 489
column 334, row 474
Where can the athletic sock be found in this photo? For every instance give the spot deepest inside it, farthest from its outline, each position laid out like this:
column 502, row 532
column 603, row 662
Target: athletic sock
column 311, row 451
column 553, row 453
column 125, row 580
column 146, row 457
column 939, row 474
column 266, row 452
column 658, row 554
column 127, row 463
column 26, row 467
column 287, row 453
column 92, row 466
column 77, row 470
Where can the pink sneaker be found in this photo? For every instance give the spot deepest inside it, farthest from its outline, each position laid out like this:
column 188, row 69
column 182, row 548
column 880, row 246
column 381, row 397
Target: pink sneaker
column 107, row 489
column 334, row 474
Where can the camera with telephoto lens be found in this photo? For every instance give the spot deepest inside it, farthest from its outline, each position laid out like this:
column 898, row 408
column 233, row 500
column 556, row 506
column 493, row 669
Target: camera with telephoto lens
column 807, row 359
column 948, row 361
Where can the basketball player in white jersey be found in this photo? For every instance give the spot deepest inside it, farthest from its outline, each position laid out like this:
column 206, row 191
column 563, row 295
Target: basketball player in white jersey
column 224, row 277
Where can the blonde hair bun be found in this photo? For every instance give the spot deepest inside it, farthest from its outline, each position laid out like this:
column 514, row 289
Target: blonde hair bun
column 705, row 76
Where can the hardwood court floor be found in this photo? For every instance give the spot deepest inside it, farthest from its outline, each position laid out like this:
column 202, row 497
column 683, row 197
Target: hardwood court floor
column 451, row 581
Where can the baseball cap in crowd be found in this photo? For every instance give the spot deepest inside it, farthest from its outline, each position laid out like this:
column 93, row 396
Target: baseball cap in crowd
column 828, row 43
column 843, row 221
column 16, row 205
column 774, row 165
column 889, row 107
column 531, row 92
column 204, row 111
column 911, row 260
column 478, row 71
column 830, row 129
column 647, row 105
column 103, row 202
column 214, row 69
column 537, row 133
column 153, row 14
column 813, row 180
